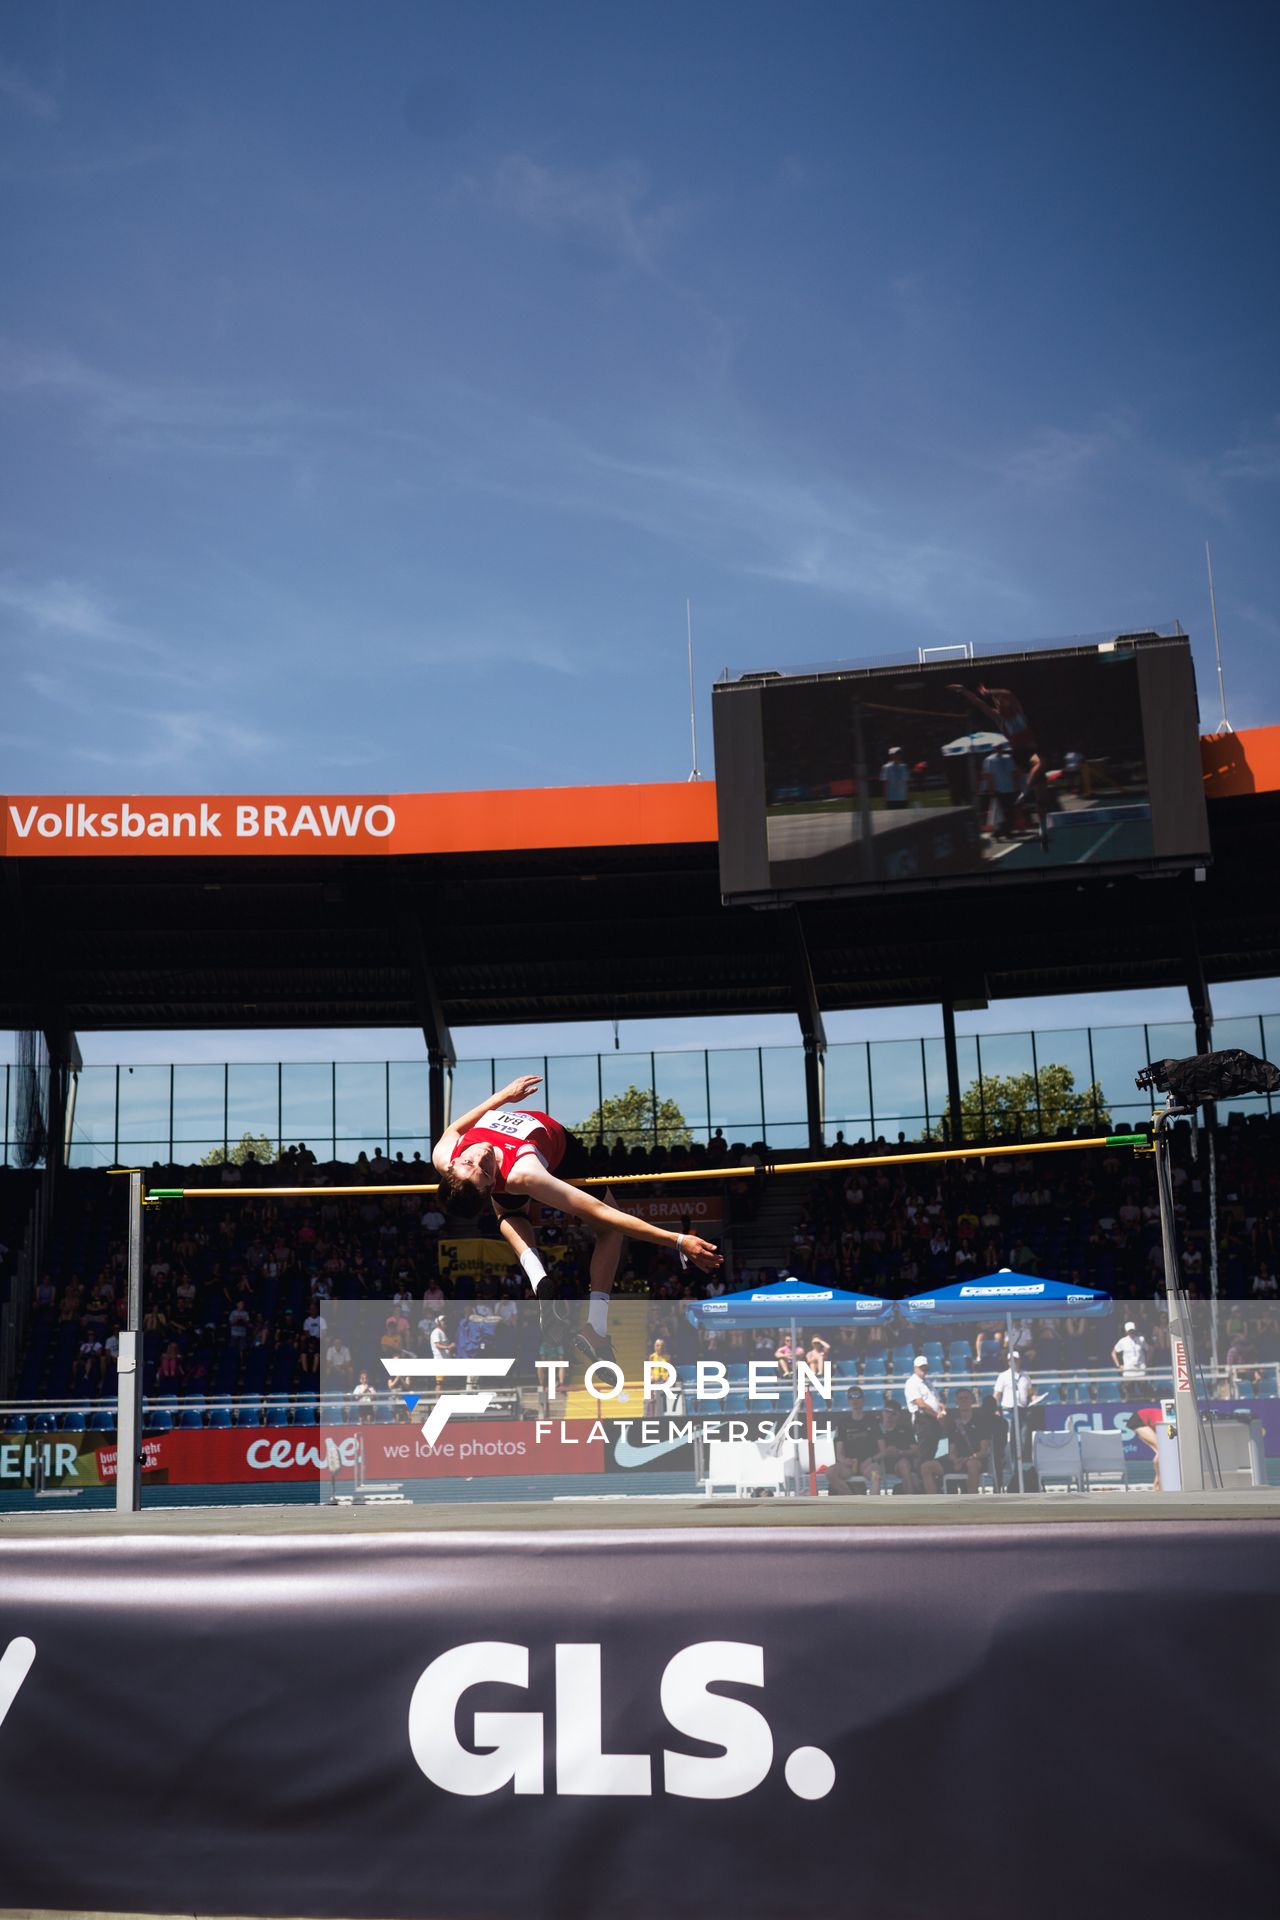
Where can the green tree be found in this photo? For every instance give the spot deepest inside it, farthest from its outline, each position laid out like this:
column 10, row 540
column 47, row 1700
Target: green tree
column 250, row 1146
column 636, row 1117
column 1007, row 1105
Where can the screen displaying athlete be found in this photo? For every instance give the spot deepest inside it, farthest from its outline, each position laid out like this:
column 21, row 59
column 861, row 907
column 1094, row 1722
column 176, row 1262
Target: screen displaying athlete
column 508, row 1155
column 1003, row 711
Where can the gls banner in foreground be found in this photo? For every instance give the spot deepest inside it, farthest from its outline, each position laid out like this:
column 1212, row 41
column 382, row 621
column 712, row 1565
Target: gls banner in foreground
column 678, row 1723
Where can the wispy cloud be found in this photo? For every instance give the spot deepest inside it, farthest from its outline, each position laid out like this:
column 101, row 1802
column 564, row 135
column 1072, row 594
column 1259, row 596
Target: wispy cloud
column 149, row 739
column 1053, row 458
column 85, row 166
column 143, row 416
column 37, row 103
column 602, row 217
column 64, row 609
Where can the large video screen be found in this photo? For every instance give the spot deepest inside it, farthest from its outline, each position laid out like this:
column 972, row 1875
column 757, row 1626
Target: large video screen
column 1011, row 767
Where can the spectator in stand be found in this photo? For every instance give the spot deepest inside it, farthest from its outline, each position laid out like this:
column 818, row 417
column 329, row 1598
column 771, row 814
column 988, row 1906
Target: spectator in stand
column 337, row 1362
column 1014, row 1389
column 858, row 1436
column 169, row 1371
column 923, row 1404
column 1129, row 1354
column 895, row 1454
column 365, row 1396
column 238, row 1322
column 967, row 1447
column 441, row 1345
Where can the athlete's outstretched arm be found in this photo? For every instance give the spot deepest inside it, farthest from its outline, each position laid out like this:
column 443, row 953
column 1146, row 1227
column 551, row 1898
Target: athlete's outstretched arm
column 976, row 700
column 520, row 1089
column 541, row 1185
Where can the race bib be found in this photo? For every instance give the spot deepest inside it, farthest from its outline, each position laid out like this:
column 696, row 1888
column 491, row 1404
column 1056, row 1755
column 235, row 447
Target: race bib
column 514, row 1126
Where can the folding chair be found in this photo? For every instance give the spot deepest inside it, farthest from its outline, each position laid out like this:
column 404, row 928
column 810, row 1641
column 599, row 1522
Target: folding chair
column 1102, row 1457
column 1056, row 1456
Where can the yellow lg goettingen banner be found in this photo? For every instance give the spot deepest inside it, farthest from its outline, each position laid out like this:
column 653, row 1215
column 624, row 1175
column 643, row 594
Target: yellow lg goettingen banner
column 482, row 1256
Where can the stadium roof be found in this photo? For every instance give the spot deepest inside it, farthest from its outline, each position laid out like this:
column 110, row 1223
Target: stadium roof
column 562, row 904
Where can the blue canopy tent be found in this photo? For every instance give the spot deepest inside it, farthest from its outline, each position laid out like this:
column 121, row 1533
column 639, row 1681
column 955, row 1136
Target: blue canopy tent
column 1008, row 1293
column 791, row 1303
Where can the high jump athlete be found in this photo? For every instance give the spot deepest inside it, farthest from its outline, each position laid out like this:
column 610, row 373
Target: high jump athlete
column 510, row 1158
column 1002, row 710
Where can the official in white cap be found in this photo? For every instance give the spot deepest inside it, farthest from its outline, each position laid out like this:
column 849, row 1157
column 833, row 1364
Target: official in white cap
column 1129, row 1354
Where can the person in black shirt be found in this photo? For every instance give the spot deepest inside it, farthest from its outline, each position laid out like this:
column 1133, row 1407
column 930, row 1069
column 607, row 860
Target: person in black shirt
column 966, row 1447
column 857, row 1435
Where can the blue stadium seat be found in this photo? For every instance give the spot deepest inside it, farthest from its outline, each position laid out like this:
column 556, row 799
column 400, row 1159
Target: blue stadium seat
column 190, row 1417
column 1109, row 1390
column 933, row 1353
column 874, row 1398
column 875, row 1367
column 277, row 1415
column 308, row 1416
column 219, row 1417
column 248, row 1416
column 959, row 1354
column 902, row 1359
column 159, row 1420
column 15, row 1422
column 102, row 1420
column 43, row 1423
column 72, row 1423
column 738, row 1371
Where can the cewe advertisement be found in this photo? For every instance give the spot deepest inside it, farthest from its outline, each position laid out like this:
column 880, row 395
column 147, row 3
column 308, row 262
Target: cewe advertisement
column 245, row 1456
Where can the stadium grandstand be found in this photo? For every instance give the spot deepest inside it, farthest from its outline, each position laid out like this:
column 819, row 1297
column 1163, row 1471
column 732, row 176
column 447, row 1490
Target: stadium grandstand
column 276, row 1399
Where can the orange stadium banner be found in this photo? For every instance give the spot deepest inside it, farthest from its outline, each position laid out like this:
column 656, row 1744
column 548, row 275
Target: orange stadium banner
column 58, row 825
column 669, row 813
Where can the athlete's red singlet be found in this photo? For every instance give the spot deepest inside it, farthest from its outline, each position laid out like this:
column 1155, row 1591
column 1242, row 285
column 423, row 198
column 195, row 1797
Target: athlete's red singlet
column 512, row 1134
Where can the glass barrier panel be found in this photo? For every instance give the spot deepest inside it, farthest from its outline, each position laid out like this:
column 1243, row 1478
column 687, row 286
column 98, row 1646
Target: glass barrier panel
column 360, row 1101
column 505, row 1071
column 1271, row 1037
column 897, row 1088
column 784, row 1094
column 95, row 1121
column 848, row 1090
column 1064, row 1077
column 682, row 1093
column 253, row 1109
column 572, row 1092
column 473, row 1083
column 628, row 1098
column 1174, row 1040
column 307, row 1106
column 144, row 1105
column 1007, row 1066
column 409, row 1102
column 199, row 1107
column 734, row 1073
column 1119, row 1055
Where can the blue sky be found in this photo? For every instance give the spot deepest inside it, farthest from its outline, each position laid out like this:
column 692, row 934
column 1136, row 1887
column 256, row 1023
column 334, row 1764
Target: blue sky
column 378, row 382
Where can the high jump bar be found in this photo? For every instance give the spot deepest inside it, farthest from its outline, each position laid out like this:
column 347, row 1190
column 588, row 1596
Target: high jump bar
column 1137, row 1140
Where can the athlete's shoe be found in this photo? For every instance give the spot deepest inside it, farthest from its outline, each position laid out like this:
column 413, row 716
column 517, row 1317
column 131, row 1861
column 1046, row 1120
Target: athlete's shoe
column 591, row 1346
